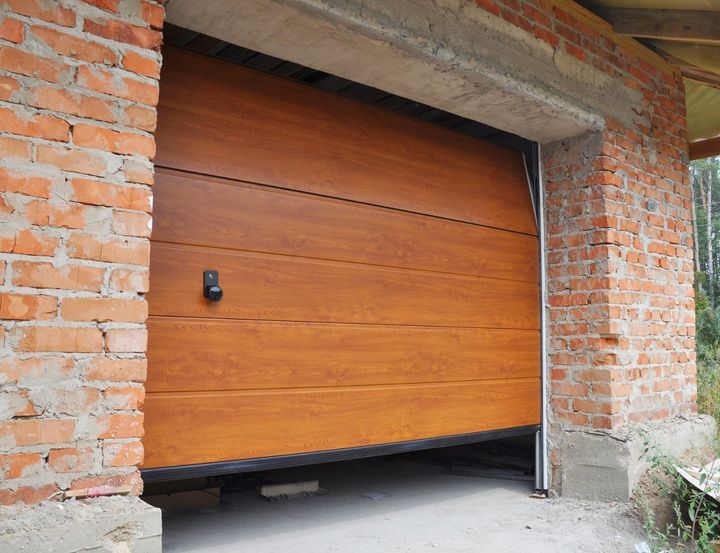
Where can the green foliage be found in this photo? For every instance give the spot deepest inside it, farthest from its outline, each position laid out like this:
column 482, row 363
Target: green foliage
column 707, row 325
column 706, row 175
column 696, row 522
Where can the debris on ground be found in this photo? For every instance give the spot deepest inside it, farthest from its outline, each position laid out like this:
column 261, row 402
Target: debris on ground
column 291, row 490
column 208, row 498
column 373, row 495
column 705, row 479
column 97, row 491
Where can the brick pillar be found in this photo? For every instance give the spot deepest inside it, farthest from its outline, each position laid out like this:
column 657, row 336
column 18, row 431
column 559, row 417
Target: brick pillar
column 620, row 287
column 78, row 89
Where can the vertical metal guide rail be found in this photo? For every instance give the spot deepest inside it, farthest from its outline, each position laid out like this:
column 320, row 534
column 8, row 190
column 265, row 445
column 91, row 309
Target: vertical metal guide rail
column 534, row 168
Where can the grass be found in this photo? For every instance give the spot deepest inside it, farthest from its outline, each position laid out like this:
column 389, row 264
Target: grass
column 708, row 387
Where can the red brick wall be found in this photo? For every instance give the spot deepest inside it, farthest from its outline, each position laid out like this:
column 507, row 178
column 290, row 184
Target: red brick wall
column 78, row 88
column 620, row 272
column 619, row 241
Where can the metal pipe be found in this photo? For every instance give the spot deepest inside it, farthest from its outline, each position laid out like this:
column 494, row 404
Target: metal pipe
column 543, row 326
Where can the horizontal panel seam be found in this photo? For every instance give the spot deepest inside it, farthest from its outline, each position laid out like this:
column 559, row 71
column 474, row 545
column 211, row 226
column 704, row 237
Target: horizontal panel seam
column 398, row 268
column 358, row 387
column 339, row 323
column 329, row 262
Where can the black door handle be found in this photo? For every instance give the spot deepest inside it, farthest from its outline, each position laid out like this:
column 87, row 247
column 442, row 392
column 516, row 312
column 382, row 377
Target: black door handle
column 211, row 286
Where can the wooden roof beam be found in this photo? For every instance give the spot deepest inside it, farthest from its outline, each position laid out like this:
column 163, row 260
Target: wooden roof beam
column 682, row 25
column 705, row 148
column 692, row 72
column 700, row 76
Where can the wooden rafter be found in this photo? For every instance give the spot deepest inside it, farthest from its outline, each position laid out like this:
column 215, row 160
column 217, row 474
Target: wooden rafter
column 705, row 148
column 692, row 72
column 701, row 76
column 682, row 25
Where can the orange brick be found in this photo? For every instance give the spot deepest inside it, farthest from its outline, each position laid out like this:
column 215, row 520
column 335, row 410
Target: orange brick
column 142, row 65
column 125, row 397
column 128, row 280
column 104, row 309
column 577, row 419
column 67, row 277
column 20, row 465
column 34, row 370
column 591, row 406
column 87, row 246
column 142, row 92
column 153, row 14
column 37, row 125
column 29, row 242
column 107, row 82
column 60, row 339
column 124, row 454
column 73, row 103
column 112, row 195
column 569, row 389
column 128, row 479
column 71, row 160
column 24, row 184
column 13, row 147
column 47, row 10
column 130, row 223
column 117, row 370
column 121, row 425
column 91, row 136
column 27, row 495
column 611, row 390
column 41, row 212
column 12, row 30
column 126, row 340
column 489, row 5
column 71, row 459
column 27, row 307
column 75, row 47
column 107, row 5
column 8, row 87
column 139, row 117
column 19, row 61
column 607, row 422
column 38, row 431
column 138, row 172
column 124, row 32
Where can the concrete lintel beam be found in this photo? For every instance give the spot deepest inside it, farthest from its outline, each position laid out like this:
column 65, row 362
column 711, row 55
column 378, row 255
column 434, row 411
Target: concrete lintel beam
column 448, row 54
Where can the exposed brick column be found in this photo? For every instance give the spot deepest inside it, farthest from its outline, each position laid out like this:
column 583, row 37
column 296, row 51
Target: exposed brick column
column 78, row 89
column 619, row 241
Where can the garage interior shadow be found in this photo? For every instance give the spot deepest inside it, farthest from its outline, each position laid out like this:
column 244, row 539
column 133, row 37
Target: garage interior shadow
column 386, row 502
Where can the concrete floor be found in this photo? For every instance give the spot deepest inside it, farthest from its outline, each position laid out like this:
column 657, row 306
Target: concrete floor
column 398, row 505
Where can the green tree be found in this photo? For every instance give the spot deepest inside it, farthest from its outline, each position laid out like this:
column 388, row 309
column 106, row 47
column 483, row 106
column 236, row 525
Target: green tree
column 705, row 175
column 706, row 193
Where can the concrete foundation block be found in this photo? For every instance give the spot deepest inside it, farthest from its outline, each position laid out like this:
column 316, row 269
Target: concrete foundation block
column 608, row 466
column 104, row 524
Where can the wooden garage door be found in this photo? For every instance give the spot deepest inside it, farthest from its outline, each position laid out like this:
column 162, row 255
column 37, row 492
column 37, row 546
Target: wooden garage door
column 380, row 274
